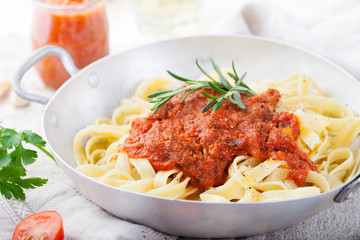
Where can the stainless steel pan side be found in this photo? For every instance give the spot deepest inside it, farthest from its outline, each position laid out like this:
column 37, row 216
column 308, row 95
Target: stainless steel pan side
column 97, row 89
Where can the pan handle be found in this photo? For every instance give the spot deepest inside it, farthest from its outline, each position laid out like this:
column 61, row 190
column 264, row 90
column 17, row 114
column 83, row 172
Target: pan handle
column 32, row 60
column 345, row 192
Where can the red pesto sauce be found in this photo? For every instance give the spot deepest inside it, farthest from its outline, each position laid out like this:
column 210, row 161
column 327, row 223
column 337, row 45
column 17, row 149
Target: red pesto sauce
column 203, row 145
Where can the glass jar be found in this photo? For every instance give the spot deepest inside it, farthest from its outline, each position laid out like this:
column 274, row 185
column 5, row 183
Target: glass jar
column 167, row 18
column 78, row 26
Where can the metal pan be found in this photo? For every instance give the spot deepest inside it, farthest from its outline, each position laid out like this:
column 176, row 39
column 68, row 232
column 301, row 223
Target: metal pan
column 97, row 89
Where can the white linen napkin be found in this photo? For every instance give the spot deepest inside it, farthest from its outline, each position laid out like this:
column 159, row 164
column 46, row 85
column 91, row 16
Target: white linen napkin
column 336, row 36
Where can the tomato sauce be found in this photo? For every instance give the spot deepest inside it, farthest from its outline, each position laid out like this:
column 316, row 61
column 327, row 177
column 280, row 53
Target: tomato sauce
column 203, row 145
column 82, row 31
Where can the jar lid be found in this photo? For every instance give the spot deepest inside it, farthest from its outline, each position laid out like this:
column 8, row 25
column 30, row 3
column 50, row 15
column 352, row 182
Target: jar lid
column 65, row 4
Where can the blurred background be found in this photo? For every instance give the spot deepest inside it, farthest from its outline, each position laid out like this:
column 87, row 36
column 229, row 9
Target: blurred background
column 131, row 23
column 135, row 22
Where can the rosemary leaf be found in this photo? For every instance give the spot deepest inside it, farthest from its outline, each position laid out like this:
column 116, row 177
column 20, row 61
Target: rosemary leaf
column 232, row 100
column 217, row 89
column 159, row 104
column 233, row 67
column 203, row 71
column 209, row 105
column 239, row 82
column 240, row 88
column 232, row 76
column 217, row 105
column 208, row 95
column 249, row 89
column 223, row 80
column 179, row 78
column 187, row 94
column 173, row 93
column 153, row 95
column 238, row 101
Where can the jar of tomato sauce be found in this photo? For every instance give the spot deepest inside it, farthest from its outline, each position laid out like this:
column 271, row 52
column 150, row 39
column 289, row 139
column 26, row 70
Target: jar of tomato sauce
column 78, row 26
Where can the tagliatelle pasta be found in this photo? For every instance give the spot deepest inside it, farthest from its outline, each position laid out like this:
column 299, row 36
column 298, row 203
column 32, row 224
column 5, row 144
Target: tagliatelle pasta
column 328, row 129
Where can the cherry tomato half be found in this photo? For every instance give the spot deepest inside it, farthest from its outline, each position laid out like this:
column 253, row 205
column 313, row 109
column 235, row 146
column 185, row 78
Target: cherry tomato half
column 46, row 225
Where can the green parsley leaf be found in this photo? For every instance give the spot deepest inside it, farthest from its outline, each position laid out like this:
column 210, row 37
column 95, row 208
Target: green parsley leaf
column 33, row 138
column 13, row 157
column 8, row 172
column 9, row 138
column 10, row 190
column 4, row 157
column 28, row 156
column 37, row 141
column 12, row 183
column 21, row 155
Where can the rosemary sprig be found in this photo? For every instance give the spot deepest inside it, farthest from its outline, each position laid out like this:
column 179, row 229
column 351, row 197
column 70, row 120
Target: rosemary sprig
column 227, row 91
